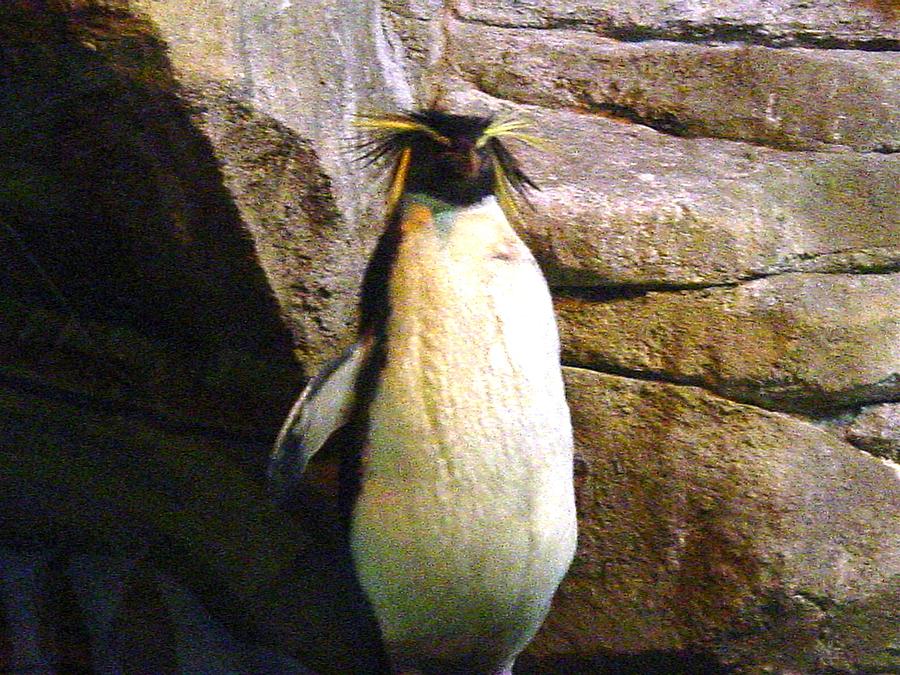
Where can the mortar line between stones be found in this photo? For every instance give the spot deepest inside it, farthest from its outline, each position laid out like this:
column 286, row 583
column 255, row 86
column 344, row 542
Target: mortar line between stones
column 53, row 393
column 623, row 114
column 604, row 292
column 710, row 37
column 660, row 378
column 605, row 368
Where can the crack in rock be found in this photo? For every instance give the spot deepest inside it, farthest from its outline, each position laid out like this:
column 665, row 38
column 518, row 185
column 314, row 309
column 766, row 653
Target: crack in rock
column 801, row 409
column 721, row 32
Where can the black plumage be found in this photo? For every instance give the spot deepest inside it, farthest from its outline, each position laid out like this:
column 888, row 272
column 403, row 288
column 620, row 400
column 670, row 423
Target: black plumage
column 453, row 158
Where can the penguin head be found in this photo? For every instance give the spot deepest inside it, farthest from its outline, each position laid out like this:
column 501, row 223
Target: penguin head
column 458, row 159
column 450, row 162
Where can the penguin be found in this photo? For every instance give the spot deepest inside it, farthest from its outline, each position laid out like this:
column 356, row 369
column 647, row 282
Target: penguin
column 461, row 516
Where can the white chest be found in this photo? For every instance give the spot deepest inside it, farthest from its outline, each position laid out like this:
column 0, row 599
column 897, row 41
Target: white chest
column 465, row 522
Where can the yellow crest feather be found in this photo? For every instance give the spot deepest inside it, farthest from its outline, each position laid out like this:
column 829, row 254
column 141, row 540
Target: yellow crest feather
column 511, row 127
column 394, row 122
column 504, row 193
column 398, row 180
column 402, row 136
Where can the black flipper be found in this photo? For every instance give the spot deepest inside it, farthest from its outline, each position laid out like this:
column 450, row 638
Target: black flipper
column 326, row 405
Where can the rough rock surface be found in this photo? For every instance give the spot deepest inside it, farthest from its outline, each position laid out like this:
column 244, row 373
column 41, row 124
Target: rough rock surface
column 183, row 231
column 623, row 204
column 829, row 24
column 806, row 342
column 849, row 98
column 707, row 523
column 298, row 66
column 877, row 430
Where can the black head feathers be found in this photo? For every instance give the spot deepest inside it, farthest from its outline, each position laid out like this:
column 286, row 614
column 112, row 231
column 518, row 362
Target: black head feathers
column 459, row 159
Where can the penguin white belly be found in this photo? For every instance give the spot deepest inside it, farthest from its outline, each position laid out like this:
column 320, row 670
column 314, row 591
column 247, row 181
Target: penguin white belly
column 465, row 522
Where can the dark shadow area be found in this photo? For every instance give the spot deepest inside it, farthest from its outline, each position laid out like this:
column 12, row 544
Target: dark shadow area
column 648, row 663
column 114, row 215
column 144, row 363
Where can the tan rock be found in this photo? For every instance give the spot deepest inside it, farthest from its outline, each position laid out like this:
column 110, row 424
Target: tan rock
column 809, row 342
column 788, row 98
column 622, row 204
column 877, row 430
column 776, row 22
column 711, row 525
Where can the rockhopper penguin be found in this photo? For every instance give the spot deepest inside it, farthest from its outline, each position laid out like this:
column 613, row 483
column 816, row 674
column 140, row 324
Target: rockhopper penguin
column 462, row 522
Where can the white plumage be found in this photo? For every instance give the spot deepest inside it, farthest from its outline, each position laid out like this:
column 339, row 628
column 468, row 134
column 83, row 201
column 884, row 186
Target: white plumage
column 465, row 523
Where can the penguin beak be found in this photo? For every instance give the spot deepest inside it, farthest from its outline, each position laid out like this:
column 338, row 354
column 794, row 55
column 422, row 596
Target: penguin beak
column 467, row 163
column 465, row 160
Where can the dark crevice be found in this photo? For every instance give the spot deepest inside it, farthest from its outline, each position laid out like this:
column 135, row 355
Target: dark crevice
column 600, row 293
column 48, row 392
column 750, row 35
column 663, row 122
column 707, row 35
column 821, row 603
column 609, row 662
column 606, row 292
column 885, row 150
column 868, row 451
column 606, row 368
column 875, row 268
column 806, row 409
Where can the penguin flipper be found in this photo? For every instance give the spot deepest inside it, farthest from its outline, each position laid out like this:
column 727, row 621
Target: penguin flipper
column 324, row 406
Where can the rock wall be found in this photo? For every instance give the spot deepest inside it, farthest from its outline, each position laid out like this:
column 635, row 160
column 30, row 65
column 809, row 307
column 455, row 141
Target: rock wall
column 184, row 231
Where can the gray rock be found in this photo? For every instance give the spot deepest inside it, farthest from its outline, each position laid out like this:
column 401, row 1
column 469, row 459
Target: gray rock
column 622, row 204
column 306, row 68
column 414, row 28
column 776, row 22
column 787, row 98
column 311, row 258
column 877, row 430
column 802, row 342
column 714, row 526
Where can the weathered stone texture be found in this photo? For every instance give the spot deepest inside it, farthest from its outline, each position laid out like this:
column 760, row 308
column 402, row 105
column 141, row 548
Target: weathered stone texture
column 622, row 204
column 790, row 98
column 877, row 430
column 775, row 22
column 808, row 342
column 295, row 66
column 707, row 523
column 184, row 230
